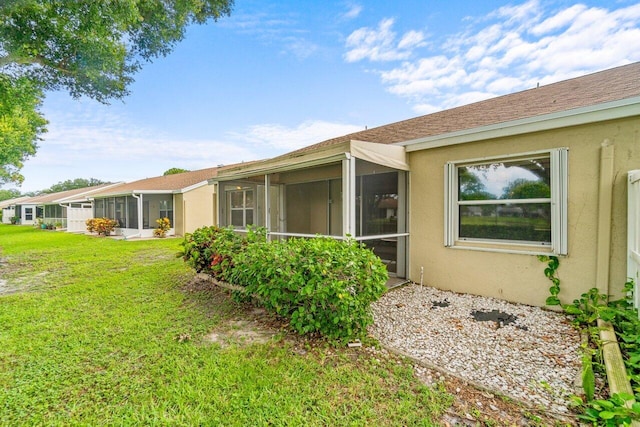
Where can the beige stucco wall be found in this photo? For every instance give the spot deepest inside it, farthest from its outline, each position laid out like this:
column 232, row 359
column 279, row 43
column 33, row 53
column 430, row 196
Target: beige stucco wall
column 195, row 209
column 518, row 277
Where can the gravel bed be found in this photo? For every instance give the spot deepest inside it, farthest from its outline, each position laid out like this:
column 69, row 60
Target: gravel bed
column 526, row 353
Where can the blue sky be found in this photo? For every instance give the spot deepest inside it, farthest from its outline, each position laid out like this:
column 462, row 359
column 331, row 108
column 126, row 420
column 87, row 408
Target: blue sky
column 276, row 76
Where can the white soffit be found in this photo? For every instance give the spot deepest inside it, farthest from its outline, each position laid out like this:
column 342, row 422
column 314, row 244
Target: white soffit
column 392, row 156
column 579, row 116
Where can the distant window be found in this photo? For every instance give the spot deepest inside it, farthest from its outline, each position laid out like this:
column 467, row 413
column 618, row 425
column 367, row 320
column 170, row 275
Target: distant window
column 514, row 200
column 166, row 209
column 241, row 203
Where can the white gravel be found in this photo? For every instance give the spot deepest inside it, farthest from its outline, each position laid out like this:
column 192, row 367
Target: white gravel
column 535, row 359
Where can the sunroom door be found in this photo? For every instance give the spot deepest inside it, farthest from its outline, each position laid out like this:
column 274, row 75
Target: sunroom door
column 381, row 217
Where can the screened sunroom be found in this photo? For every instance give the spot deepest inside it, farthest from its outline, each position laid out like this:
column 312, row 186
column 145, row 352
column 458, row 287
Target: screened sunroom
column 136, row 213
column 354, row 188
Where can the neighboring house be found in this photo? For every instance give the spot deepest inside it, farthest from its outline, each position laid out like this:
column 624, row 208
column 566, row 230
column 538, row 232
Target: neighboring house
column 184, row 198
column 27, row 211
column 10, row 207
column 465, row 199
column 69, row 209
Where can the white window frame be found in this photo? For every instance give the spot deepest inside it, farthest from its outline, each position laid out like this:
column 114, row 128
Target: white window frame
column 244, row 207
column 559, row 177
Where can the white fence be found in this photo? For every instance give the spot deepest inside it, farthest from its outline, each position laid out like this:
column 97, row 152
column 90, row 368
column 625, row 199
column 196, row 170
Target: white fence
column 633, row 230
column 76, row 218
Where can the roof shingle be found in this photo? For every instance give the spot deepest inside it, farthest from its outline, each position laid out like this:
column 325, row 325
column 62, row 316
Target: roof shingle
column 168, row 183
column 592, row 89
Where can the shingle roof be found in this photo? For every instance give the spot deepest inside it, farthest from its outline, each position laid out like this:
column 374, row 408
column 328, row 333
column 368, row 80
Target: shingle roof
column 592, row 89
column 52, row 198
column 168, row 183
column 15, row 201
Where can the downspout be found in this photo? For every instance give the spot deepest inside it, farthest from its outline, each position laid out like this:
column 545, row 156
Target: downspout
column 605, row 197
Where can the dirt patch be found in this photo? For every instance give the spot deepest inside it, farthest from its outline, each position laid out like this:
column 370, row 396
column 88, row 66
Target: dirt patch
column 153, row 255
column 16, row 276
column 241, row 333
column 242, row 324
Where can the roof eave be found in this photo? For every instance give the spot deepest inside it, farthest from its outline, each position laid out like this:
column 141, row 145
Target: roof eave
column 192, row 187
column 287, row 162
column 619, row 109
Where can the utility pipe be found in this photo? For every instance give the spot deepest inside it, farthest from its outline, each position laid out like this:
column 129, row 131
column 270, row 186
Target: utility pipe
column 605, row 197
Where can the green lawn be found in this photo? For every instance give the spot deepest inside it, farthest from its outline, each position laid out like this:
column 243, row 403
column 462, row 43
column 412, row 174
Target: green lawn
column 91, row 338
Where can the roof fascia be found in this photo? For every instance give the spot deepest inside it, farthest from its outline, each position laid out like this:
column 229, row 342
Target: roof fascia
column 130, row 192
column 191, row 187
column 628, row 107
column 283, row 168
column 13, row 202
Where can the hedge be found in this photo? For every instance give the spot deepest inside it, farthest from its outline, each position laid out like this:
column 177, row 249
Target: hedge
column 321, row 285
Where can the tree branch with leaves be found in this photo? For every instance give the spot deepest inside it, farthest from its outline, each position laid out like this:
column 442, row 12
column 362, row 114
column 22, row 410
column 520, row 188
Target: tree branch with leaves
column 88, row 48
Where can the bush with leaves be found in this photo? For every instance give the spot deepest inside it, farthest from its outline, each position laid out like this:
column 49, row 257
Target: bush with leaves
column 164, row 225
column 321, row 285
column 620, row 408
column 102, row 226
column 211, row 249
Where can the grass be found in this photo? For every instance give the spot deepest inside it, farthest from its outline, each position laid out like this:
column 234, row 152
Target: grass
column 90, row 337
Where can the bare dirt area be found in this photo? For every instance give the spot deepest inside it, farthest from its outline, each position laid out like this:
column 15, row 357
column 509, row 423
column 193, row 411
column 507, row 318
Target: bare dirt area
column 16, row 277
column 472, row 406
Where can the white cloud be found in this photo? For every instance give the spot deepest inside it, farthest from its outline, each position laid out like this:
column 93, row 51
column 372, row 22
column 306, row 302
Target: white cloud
column 353, row 12
column 519, row 14
column 411, row 40
column 559, row 20
column 381, row 44
column 268, row 29
column 90, row 141
column 283, row 138
column 301, row 48
column 510, row 49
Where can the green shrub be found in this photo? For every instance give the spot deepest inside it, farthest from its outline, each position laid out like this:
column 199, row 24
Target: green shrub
column 619, row 408
column 211, row 249
column 321, row 285
column 505, row 232
column 101, row 225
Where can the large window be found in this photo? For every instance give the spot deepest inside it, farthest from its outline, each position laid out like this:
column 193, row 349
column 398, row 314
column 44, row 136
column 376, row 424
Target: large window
column 241, row 204
column 512, row 200
column 54, row 212
column 166, row 209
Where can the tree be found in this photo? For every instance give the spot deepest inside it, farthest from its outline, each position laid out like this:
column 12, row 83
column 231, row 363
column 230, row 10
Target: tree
column 73, row 184
column 526, row 189
column 88, row 48
column 471, row 187
column 174, row 171
column 9, row 194
column 20, row 125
